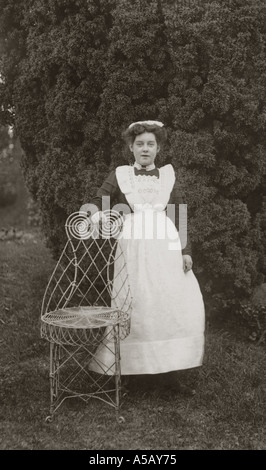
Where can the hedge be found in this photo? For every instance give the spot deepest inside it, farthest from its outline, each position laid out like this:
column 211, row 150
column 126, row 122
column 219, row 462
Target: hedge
column 77, row 72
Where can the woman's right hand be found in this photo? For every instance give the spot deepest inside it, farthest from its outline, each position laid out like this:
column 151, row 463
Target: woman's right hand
column 98, row 217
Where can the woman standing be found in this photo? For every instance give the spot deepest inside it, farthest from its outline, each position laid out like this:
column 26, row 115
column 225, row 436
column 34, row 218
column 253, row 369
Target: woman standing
column 167, row 321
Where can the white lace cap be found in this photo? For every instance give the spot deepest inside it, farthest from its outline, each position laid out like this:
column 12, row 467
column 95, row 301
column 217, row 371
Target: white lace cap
column 150, row 123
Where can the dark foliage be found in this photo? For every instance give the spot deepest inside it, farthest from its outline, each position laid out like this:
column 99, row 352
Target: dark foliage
column 77, row 72
column 216, row 108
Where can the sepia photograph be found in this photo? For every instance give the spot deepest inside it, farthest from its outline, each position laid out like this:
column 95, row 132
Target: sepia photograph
column 132, row 228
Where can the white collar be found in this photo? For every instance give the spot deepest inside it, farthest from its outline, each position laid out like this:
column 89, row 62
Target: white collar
column 147, row 168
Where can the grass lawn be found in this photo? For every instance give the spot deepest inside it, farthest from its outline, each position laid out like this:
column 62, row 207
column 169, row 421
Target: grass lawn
column 227, row 412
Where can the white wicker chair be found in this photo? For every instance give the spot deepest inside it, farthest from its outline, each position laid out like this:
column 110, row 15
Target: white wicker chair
column 87, row 306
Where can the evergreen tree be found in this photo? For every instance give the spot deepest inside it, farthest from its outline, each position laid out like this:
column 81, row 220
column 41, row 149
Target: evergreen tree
column 138, row 71
column 217, row 109
column 75, row 73
column 56, row 94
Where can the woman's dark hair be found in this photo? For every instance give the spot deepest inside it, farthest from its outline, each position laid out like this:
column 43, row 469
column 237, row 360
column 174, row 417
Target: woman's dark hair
column 130, row 134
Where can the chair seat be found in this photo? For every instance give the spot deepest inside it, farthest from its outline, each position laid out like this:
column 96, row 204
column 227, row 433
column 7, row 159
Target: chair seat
column 85, row 317
column 85, row 324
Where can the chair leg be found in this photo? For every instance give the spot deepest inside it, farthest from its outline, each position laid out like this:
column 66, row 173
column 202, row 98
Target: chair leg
column 54, row 377
column 68, row 365
column 120, row 419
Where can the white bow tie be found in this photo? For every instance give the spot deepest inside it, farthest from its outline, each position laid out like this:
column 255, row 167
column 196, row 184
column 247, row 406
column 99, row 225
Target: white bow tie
column 147, row 168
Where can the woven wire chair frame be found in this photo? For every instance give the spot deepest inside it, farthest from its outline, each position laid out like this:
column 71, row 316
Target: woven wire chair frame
column 87, row 303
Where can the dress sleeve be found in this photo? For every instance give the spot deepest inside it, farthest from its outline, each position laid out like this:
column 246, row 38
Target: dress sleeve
column 177, row 198
column 109, row 189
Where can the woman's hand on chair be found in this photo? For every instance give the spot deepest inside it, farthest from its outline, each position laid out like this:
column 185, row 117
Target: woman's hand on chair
column 98, row 217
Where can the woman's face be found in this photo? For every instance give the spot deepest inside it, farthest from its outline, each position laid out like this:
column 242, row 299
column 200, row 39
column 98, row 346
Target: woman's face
column 145, row 148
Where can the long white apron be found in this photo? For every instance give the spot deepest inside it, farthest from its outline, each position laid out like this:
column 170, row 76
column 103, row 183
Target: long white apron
column 168, row 319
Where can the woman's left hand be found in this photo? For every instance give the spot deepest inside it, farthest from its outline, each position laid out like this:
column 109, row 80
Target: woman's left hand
column 187, row 263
